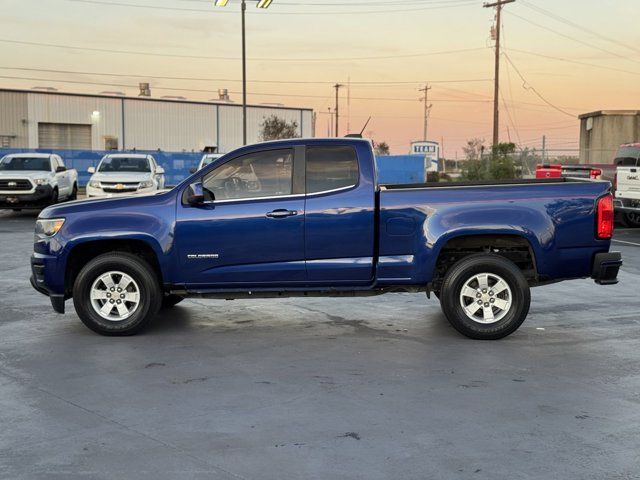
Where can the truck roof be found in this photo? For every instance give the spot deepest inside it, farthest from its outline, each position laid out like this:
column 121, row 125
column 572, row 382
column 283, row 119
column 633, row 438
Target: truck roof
column 127, row 155
column 636, row 145
column 29, row 155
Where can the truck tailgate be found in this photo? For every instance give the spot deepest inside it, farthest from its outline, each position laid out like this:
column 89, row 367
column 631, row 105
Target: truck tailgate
column 628, row 185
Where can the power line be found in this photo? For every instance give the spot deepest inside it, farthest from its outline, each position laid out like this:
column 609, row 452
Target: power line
column 206, row 57
column 201, row 10
column 577, row 26
column 204, row 79
column 527, row 86
column 576, row 62
column 590, row 45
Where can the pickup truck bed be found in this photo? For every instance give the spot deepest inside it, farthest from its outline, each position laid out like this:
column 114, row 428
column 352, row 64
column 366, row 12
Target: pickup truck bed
column 306, row 217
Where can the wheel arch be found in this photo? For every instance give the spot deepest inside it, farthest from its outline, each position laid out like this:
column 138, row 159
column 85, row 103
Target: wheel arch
column 513, row 246
column 83, row 252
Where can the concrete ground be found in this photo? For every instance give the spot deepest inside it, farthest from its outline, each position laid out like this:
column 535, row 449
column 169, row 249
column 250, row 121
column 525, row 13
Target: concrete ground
column 374, row 388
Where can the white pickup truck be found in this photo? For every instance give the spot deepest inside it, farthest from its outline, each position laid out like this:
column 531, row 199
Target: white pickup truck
column 35, row 180
column 125, row 174
column 627, row 184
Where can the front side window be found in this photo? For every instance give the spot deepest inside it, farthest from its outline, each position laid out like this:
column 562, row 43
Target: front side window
column 260, row 174
column 25, row 163
column 124, row 164
column 330, row 168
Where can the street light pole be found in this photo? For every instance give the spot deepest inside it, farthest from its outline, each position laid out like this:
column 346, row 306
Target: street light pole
column 243, row 10
column 244, row 75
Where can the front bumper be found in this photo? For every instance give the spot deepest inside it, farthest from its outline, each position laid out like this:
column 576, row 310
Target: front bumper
column 38, row 282
column 606, row 267
column 39, row 198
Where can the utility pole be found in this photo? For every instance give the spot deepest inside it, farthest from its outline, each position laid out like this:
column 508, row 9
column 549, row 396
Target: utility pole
column 427, row 107
column 243, row 8
column 496, row 88
column 544, row 149
column 337, row 86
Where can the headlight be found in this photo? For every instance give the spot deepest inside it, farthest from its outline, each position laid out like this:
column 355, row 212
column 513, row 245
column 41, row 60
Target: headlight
column 94, row 184
column 41, row 181
column 147, row 184
column 49, row 226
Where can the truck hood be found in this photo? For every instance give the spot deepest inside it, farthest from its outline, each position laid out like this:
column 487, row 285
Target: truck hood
column 100, row 204
column 121, row 177
column 31, row 174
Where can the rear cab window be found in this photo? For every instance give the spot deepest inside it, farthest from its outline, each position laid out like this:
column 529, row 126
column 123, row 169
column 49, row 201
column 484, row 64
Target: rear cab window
column 331, row 168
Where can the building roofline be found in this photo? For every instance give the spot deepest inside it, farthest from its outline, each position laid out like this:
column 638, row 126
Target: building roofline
column 153, row 99
column 602, row 113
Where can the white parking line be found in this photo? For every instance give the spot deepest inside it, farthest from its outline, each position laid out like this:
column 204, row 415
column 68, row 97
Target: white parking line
column 628, row 243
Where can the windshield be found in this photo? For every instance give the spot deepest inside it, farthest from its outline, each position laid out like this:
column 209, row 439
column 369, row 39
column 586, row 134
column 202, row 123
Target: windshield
column 627, row 156
column 25, row 163
column 124, row 164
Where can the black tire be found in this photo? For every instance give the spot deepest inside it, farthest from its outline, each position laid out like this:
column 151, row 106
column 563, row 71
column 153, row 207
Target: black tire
column 74, row 192
column 16, row 209
column 631, row 219
column 460, row 273
column 54, row 197
column 169, row 301
column 150, row 293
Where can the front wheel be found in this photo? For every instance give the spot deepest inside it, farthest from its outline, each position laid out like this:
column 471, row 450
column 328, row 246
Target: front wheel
column 485, row 297
column 117, row 294
column 54, row 197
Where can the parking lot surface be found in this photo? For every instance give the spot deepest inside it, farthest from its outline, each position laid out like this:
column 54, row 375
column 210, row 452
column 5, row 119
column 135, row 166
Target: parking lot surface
column 372, row 388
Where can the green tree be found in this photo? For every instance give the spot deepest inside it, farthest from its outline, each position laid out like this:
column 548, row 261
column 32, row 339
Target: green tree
column 381, row 148
column 276, row 128
column 500, row 165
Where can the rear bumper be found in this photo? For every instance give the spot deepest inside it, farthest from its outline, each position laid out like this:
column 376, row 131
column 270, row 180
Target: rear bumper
column 606, row 267
column 626, row 205
column 38, row 199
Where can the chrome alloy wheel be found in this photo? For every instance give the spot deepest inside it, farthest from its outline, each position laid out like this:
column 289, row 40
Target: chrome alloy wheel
column 115, row 296
column 486, row 298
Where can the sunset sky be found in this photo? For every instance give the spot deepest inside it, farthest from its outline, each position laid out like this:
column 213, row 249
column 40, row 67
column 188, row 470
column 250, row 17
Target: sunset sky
column 579, row 55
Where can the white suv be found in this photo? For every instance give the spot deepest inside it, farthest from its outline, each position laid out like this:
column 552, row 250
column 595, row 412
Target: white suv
column 125, row 174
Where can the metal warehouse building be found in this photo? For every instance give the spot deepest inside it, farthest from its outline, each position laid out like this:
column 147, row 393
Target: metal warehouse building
column 55, row 120
column 602, row 132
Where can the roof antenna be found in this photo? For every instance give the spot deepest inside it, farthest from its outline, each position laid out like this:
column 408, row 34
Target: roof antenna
column 359, row 135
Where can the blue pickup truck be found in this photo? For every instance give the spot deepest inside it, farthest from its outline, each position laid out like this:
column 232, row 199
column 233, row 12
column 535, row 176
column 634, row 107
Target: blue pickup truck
column 308, row 218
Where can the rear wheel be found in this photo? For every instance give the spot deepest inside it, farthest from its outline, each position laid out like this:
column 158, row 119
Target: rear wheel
column 485, row 297
column 632, row 219
column 117, row 294
column 74, row 192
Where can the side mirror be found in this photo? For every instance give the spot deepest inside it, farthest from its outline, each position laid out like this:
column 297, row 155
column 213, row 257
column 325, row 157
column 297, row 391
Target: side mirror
column 91, row 169
column 160, row 171
column 61, row 169
column 195, row 194
column 193, row 170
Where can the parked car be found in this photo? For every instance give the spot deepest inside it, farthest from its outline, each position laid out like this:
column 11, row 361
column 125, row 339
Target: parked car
column 306, row 217
column 125, row 174
column 206, row 159
column 35, row 180
column 557, row 170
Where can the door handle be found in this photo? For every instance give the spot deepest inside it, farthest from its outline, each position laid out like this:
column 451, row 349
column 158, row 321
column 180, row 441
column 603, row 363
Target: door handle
column 282, row 213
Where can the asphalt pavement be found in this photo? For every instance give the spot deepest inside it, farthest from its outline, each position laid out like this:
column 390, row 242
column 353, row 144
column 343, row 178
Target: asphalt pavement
column 365, row 388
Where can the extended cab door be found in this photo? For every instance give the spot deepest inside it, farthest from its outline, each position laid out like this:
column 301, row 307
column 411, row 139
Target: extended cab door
column 250, row 231
column 340, row 218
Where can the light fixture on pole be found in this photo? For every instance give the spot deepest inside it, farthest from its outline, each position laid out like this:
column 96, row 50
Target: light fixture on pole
column 243, row 9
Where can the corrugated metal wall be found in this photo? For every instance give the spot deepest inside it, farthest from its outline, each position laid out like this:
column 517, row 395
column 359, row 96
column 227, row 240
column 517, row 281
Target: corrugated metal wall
column 71, row 109
column 13, row 119
column 169, row 126
column 148, row 124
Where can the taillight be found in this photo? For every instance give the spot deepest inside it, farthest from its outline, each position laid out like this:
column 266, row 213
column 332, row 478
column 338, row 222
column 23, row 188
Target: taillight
column 604, row 217
column 595, row 173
